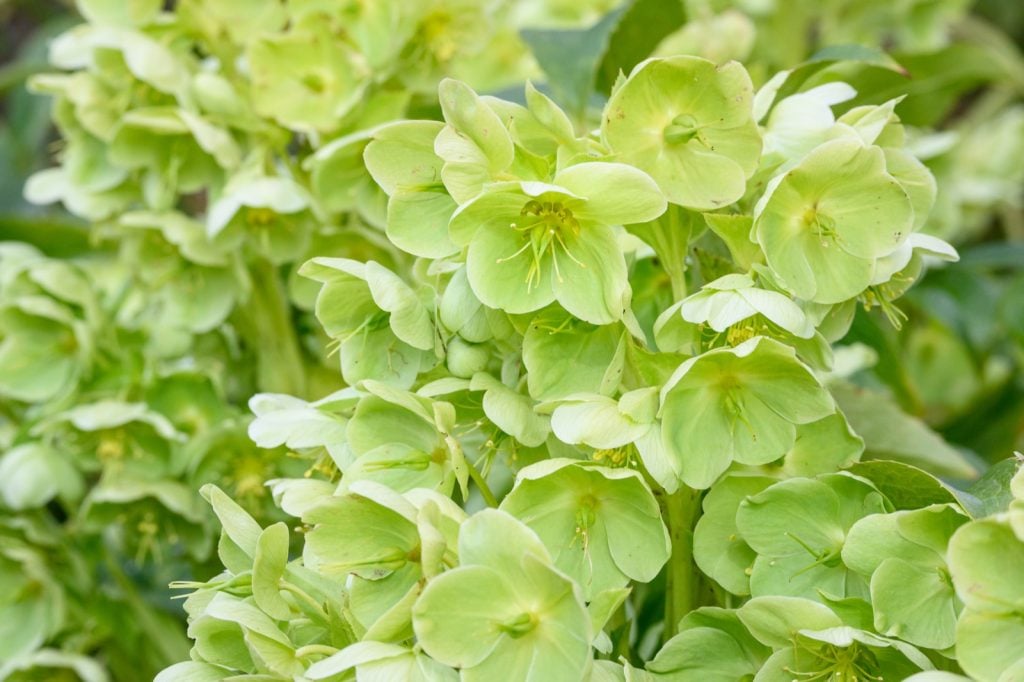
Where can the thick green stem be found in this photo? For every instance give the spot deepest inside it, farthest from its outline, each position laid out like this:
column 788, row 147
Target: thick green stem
column 266, row 321
column 669, row 236
column 680, row 511
column 481, row 484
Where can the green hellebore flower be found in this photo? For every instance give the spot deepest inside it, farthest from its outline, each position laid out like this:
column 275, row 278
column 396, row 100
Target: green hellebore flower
column 824, row 225
column 904, row 556
column 117, row 437
column 401, row 159
column 689, row 124
column 713, row 644
column 505, row 612
column 177, row 151
column 843, row 653
column 44, row 350
column 270, row 213
column 602, row 526
column 399, row 447
column 387, row 543
column 612, row 426
column 531, row 243
column 731, row 299
column 385, row 329
column 986, row 559
column 718, row 549
column 798, row 528
column 151, row 515
column 305, row 79
column 811, row 642
column 738, row 404
column 32, row 603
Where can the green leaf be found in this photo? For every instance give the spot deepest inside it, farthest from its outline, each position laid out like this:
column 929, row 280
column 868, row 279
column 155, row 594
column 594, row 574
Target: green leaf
column 888, row 433
column 570, row 58
column 906, row 486
column 640, row 27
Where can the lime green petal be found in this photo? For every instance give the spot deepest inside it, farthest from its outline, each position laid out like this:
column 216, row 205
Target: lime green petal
column 697, row 434
column 718, row 548
column 988, row 644
column 497, row 539
column 915, row 603
column 774, row 520
column 471, row 117
column 502, row 279
column 797, row 575
column 616, row 194
column 418, row 223
column 401, row 157
column 637, row 538
column 495, row 209
column 689, row 125
column 456, row 617
column 771, row 372
column 693, row 177
column 987, row 562
column 591, row 279
column 759, row 434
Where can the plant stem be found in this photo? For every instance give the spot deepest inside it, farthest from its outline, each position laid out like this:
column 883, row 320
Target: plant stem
column 680, row 511
column 268, row 324
column 669, row 236
column 481, row 484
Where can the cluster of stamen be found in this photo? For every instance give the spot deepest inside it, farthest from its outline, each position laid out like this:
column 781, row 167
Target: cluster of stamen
column 836, row 664
column 547, row 226
column 822, row 225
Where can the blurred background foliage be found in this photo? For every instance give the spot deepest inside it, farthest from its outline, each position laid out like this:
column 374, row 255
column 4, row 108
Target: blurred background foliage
column 86, row 552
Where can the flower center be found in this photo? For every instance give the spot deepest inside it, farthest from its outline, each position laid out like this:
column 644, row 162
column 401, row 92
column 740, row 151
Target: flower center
column 518, row 626
column 683, row 128
column 841, row 664
column 547, row 227
column 259, row 216
column 821, row 225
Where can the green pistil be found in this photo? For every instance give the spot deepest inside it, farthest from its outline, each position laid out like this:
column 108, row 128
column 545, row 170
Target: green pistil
column 835, row 664
column 683, row 128
column 824, row 557
column 821, row 225
column 521, row 625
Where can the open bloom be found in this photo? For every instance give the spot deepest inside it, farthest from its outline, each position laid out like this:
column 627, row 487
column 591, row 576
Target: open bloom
column 531, row 243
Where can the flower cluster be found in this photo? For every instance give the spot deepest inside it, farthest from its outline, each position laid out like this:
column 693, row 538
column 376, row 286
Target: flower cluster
column 535, row 394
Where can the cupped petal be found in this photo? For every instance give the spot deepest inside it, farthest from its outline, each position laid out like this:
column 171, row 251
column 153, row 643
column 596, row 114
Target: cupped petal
column 616, row 194
column 502, row 279
column 591, row 281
